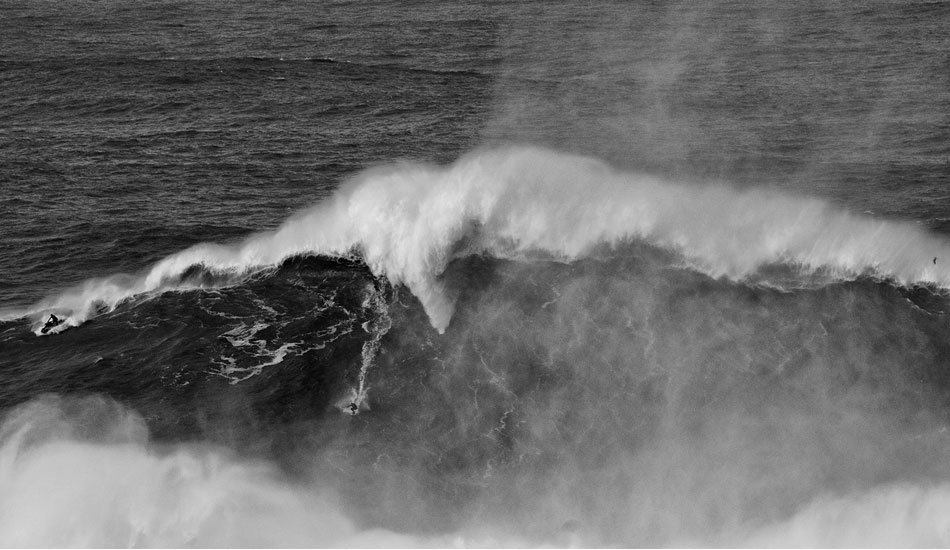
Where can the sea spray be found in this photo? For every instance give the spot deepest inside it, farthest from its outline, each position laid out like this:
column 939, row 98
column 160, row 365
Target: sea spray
column 408, row 221
column 81, row 472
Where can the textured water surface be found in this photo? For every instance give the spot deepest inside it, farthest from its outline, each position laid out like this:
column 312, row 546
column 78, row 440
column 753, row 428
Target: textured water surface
column 490, row 273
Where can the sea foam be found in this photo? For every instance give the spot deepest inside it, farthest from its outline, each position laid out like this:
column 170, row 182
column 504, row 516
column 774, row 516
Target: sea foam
column 407, row 221
column 62, row 486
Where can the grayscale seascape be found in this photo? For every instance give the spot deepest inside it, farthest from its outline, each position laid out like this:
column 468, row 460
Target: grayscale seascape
column 425, row 273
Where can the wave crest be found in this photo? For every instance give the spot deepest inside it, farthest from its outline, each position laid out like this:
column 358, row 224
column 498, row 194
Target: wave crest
column 407, row 221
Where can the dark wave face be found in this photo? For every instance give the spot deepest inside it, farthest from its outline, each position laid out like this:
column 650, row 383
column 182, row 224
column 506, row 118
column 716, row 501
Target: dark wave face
column 647, row 275
column 607, row 400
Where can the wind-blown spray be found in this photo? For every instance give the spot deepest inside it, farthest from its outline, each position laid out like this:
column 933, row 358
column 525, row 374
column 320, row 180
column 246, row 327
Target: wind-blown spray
column 409, row 220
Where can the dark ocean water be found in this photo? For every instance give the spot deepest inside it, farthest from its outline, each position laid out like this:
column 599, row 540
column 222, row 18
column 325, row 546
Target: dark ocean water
column 484, row 274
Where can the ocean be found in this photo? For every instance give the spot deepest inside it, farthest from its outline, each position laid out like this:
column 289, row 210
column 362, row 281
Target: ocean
column 424, row 273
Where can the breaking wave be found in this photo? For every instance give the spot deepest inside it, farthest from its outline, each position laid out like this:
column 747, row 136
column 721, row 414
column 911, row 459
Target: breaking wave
column 407, row 221
column 81, row 472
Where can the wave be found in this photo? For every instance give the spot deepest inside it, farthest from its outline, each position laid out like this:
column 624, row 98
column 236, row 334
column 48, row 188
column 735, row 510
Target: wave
column 85, row 472
column 898, row 515
column 408, row 220
column 101, row 483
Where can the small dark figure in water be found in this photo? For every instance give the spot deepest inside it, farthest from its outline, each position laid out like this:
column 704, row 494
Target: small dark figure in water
column 935, row 260
column 50, row 323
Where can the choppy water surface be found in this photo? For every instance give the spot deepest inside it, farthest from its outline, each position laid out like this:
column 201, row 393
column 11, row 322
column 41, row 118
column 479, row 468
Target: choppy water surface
column 338, row 273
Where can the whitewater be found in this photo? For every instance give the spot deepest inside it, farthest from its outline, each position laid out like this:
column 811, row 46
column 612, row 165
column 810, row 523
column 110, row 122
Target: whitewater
column 454, row 274
column 409, row 220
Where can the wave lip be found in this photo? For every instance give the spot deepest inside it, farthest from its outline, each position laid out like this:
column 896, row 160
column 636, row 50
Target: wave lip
column 407, row 221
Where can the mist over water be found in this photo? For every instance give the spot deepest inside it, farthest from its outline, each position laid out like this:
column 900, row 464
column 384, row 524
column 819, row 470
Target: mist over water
column 701, row 366
column 408, row 221
column 646, row 275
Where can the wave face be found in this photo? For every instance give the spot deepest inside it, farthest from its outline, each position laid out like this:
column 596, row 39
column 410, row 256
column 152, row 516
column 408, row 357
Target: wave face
column 623, row 399
column 660, row 274
column 521, row 348
column 406, row 222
